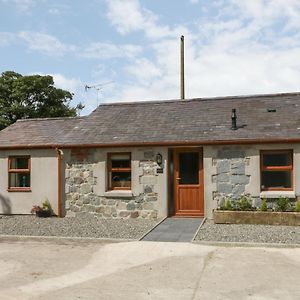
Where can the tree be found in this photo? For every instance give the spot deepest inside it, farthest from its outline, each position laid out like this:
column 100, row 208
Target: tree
column 32, row 96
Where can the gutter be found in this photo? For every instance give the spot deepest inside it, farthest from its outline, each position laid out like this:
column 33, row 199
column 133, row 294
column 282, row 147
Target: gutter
column 163, row 143
column 59, row 158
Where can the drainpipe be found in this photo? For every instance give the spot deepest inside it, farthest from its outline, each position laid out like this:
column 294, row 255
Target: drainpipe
column 59, row 157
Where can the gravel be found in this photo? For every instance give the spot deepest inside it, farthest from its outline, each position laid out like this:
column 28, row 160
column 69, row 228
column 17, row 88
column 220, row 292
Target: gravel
column 94, row 227
column 248, row 233
column 79, row 226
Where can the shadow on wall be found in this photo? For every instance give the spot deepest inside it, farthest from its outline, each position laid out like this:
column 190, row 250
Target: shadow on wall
column 6, row 205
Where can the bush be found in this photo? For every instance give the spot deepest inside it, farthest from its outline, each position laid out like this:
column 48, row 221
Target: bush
column 283, row 204
column 297, row 207
column 227, row 205
column 46, row 204
column 263, row 205
column 244, row 203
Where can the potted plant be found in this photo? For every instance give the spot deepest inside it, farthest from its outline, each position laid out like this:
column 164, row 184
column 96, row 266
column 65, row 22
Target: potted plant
column 43, row 211
column 242, row 212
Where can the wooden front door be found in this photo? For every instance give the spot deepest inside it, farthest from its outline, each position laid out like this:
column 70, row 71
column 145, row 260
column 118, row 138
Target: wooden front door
column 188, row 182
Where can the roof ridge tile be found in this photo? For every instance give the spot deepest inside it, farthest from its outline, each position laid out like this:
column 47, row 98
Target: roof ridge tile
column 54, row 118
column 232, row 97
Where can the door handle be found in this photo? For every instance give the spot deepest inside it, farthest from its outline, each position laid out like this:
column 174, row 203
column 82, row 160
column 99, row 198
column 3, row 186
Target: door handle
column 178, row 178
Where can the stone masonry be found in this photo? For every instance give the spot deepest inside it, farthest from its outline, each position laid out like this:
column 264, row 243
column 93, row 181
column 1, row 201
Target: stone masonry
column 81, row 196
column 230, row 177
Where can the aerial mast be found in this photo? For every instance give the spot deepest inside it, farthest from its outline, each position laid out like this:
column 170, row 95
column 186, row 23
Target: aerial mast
column 97, row 87
column 182, row 96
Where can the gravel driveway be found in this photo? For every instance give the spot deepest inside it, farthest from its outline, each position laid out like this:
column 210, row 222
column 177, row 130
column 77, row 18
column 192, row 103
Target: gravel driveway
column 94, row 227
column 80, row 226
column 248, row 233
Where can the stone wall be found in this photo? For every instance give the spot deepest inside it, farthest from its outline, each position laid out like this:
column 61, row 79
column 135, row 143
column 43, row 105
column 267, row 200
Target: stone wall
column 81, row 195
column 230, row 178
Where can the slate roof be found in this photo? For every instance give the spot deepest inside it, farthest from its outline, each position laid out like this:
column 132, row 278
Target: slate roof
column 199, row 121
column 39, row 132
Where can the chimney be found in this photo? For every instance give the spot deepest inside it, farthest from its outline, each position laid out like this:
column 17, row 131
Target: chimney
column 233, row 119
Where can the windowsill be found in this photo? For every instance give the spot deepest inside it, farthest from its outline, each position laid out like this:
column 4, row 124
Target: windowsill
column 119, row 193
column 276, row 194
column 19, row 190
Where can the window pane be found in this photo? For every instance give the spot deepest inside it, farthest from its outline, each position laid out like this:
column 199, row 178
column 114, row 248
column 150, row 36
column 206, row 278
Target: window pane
column 120, row 179
column 19, row 180
column 19, row 163
column 120, row 161
column 276, row 179
column 276, row 159
column 189, row 168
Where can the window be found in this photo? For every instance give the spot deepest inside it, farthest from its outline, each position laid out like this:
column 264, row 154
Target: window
column 276, row 170
column 119, row 171
column 19, row 173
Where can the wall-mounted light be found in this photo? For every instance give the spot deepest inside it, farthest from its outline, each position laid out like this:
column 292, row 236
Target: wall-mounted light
column 159, row 159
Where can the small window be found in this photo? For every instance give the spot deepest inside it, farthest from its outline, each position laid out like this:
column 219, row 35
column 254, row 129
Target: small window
column 119, row 171
column 19, row 173
column 276, row 170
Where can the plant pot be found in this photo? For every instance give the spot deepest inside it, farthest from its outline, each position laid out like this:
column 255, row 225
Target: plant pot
column 44, row 213
column 256, row 217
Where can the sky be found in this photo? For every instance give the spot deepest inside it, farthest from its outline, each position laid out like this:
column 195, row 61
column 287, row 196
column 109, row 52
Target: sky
column 232, row 47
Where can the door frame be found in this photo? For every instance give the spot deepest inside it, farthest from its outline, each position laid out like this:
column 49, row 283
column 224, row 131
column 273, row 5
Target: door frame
column 175, row 181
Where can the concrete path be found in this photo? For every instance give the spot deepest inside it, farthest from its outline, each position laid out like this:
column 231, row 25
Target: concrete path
column 174, row 230
column 48, row 270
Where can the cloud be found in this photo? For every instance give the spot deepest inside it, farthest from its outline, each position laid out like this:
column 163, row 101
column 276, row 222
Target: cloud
column 69, row 84
column 144, row 71
column 244, row 47
column 22, row 6
column 54, row 11
column 108, row 50
column 45, row 43
column 129, row 16
column 63, row 82
column 59, row 9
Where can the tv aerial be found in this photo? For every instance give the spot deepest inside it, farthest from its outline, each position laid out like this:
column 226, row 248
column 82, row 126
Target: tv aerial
column 97, row 87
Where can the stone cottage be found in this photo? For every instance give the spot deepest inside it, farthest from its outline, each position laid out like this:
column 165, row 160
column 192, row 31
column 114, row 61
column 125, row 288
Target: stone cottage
column 154, row 158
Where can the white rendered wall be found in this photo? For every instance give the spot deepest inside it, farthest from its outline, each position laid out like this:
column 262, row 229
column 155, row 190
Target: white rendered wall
column 44, row 177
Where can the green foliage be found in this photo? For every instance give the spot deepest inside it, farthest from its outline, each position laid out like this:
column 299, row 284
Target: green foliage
column 227, row 204
column 244, row 203
column 263, row 205
column 283, row 204
column 46, row 204
column 297, row 206
column 32, row 96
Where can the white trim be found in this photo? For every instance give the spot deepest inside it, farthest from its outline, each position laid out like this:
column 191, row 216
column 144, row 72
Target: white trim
column 277, row 194
column 119, row 193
